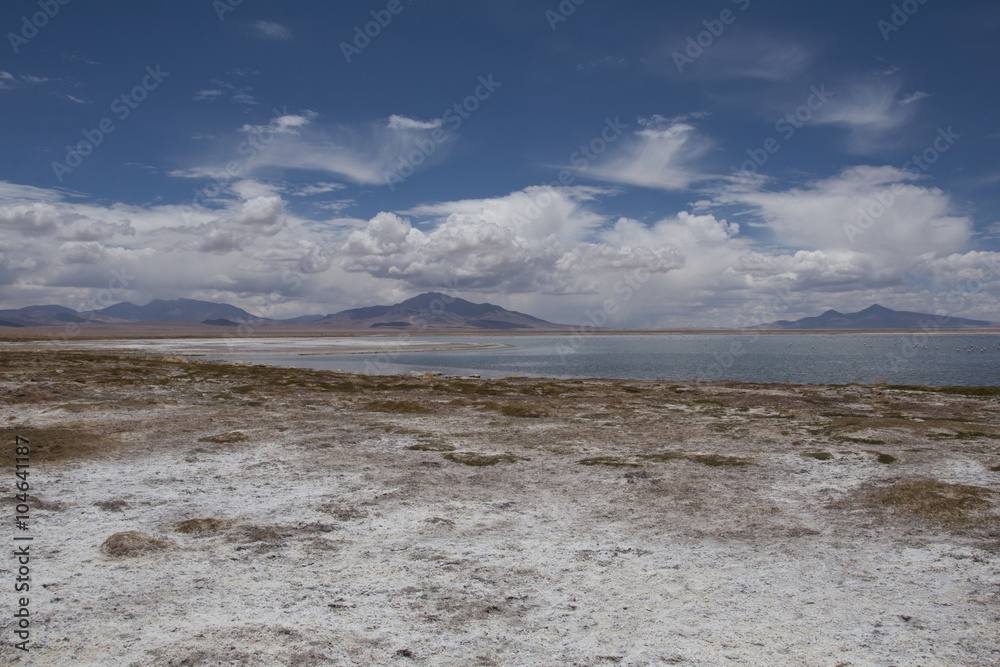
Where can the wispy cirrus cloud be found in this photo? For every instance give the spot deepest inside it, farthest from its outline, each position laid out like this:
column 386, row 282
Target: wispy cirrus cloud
column 397, row 122
column 872, row 110
column 754, row 56
column 663, row 154
column 365, row 155
column 9, row 81
column 271, row 30
column 221, row 89
column 208, row 94
column 317, row 189
column 244, row 96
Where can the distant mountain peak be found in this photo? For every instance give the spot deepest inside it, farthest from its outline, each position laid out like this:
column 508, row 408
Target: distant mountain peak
column 877, row 317
column 439, row 311
column 427, row 298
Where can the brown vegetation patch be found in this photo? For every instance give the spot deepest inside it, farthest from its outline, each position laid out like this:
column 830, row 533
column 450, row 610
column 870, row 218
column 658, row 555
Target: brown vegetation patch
column 397, row 406
column 963, row 391
column 199, row 526
column 345, row 387
column 24, row 395
column 515, row 410
column 432, row 446
column 52, row 445
column 112, row 505
column 663, row 457
column 819, row 456
column 718, row 460
column 848, row 428
column 132, row 543
column 934, row 500
column 226, row 438
column 254, row 533
column 711, row 460
column 480, row 460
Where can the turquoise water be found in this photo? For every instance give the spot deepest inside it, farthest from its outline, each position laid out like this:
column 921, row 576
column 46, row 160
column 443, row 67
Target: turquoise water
column 912, row 358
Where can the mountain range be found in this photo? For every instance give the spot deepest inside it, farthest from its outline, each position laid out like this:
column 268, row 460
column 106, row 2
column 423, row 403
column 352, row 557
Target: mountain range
column 876, row 317
column 431, row 310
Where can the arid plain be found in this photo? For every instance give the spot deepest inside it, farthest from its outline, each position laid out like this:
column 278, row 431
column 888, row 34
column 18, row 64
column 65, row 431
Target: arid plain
column 200, row 513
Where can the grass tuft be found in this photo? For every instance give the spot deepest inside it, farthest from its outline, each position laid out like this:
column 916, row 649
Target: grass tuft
column 112, row 505
column 717, row 460
column 432, row 446
column 410, row 407
column 226, row 438
column 819, row 456
column 481, row 460
column 662, row 457
column 514, row 410
column 132, row 543
column 199, row 526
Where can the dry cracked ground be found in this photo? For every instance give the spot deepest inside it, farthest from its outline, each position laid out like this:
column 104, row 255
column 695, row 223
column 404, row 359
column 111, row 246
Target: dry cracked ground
column 192, row 513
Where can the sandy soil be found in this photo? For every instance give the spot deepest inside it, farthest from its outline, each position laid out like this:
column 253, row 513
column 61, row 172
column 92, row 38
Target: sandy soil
column 297, row 517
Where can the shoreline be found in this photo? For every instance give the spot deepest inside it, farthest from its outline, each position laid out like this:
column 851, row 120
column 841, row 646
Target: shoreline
column 690, row 522
column 56, row 333
column 113, row 354
column 387, row 355
column 191, row 348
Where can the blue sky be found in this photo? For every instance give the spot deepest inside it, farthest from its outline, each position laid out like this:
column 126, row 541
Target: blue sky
column 644, row 163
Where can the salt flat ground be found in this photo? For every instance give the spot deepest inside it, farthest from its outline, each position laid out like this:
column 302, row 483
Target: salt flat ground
column 297, row 517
